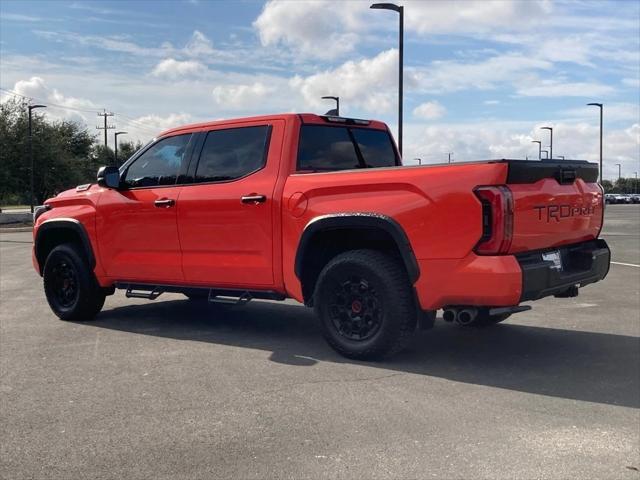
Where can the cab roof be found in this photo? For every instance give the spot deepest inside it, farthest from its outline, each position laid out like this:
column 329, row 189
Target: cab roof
column 305, row 118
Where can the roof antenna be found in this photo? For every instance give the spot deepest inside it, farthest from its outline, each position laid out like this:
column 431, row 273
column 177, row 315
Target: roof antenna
column 334, row 112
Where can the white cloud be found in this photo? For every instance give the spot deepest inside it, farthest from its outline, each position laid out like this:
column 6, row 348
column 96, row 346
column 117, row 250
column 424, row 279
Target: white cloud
column 171, row 68
column 429, row 110
column 451, row 76
column 558, row 88
column 494, row 140
column 321, row 28
column 613, row 112
column 444, row 16
column 198, row 45
column 58, row 105
column 241, row 96
column 161, row 123
column 369, row 83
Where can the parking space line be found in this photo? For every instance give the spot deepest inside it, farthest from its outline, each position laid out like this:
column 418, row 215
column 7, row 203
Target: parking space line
column 626, row 264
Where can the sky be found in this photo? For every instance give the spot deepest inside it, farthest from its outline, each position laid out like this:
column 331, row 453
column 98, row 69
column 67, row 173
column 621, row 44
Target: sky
column 481, row 77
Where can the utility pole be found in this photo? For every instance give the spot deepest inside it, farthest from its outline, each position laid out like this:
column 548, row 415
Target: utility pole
column 539, row 148
column 31, row 190
column 551, row 140
column 449, row 155
column 115, row 146
column 599, row 105
column 400, row 11
column 335, row 111
column 106, row 127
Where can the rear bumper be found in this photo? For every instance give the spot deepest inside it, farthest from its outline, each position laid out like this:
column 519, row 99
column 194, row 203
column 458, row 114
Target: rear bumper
column 507, row 280
column 583, row 263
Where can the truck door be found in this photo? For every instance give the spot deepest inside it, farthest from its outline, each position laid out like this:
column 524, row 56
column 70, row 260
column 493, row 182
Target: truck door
column 137, row 224
column 225, row 217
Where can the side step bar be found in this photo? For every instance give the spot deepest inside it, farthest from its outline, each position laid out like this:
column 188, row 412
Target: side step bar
column 214, row 295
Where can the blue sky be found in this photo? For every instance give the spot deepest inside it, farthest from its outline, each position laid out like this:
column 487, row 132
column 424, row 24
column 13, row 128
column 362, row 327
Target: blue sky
column 481, row 77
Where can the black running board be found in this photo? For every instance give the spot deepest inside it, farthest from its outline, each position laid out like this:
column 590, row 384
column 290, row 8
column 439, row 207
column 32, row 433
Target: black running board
column 152, row 291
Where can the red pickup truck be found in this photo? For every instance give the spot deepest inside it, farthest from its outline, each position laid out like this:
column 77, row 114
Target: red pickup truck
column 321, row 209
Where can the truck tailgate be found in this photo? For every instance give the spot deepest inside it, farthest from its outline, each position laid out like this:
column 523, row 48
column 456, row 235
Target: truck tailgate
column 554, row 203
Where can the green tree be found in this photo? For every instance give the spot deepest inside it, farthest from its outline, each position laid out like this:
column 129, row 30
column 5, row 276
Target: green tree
column 62, row 149
column 607, row 185
column 127, row 149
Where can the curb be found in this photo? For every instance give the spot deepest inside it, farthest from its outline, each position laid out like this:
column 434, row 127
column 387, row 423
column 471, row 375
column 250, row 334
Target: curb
column 15, row 229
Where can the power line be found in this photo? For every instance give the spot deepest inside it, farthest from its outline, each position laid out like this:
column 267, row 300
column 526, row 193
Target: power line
column 134, row 123
column 106, row 127
column 131, row 121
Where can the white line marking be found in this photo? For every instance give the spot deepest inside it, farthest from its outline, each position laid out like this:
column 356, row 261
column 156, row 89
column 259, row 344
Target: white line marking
column 626, row 264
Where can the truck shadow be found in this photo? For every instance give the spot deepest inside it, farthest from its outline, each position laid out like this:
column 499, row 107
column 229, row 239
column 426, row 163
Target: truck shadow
column 586, row 366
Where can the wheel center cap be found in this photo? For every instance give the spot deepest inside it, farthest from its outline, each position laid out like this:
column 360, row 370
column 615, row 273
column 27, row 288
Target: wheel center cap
column 356, row 306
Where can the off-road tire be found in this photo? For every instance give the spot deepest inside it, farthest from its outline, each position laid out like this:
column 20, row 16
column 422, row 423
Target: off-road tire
column 386, row 310
column 70, row 286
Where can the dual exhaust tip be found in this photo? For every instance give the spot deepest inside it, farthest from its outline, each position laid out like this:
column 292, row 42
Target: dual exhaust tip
column 462, row 316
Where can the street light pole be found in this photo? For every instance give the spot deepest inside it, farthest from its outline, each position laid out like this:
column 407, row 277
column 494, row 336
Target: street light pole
column 601, row 107
column 539, row 148
column 449, row 155
column 400, row 10
column 337, row 110
column 619, row 171
column 115, row 146
column 546, row 152
column 550, row 142
column 31, row 182
column 561, row 157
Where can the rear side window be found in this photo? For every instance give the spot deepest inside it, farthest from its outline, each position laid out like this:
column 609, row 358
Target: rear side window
column 375, row 146
column 341, row 148
column 326, row 148
column 160, row 164
column 232, row 153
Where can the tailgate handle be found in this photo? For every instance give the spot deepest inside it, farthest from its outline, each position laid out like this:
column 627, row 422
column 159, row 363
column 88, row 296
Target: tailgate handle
column 566, row 175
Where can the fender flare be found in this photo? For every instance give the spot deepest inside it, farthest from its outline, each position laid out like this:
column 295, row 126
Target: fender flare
column 358, row 220
column 64, row 224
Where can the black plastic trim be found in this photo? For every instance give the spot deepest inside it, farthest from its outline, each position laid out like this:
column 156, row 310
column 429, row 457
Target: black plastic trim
column 564, row 171
column 359, row 220
column 583, row 263
column 64, row 224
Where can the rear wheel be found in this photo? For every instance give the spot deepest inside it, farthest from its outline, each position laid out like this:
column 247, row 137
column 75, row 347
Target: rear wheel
column 365, row 304
column 70, row 286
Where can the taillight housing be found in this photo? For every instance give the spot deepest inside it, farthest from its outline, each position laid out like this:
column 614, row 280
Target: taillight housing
column 497, row 220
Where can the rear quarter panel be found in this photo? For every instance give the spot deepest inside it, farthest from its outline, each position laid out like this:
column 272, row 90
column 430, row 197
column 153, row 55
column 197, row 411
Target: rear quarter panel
column 435, row 206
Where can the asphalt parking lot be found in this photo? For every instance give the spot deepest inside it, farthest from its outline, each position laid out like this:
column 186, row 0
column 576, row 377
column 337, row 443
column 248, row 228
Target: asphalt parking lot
column 169, row 389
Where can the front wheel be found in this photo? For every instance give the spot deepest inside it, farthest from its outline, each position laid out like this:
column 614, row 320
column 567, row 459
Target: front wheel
column 365, row 304
column 70, row 286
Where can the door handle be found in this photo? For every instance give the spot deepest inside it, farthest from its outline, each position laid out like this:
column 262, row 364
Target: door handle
column 165, row 203
column 255, row 199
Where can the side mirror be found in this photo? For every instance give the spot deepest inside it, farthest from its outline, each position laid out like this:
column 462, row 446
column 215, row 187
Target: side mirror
column 109, row 177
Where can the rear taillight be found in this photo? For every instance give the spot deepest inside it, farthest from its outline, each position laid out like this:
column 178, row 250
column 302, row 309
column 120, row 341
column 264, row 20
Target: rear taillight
column 497, row 220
